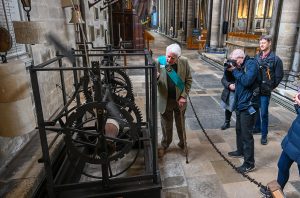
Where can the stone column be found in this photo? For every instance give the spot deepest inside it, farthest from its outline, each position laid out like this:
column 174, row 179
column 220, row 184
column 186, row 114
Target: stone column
column 177, row 18
column 250, row 17
column 296, row 61
column 161, row 15
column 222, row 19
column 276, row 13
column 215, row 23
column 165, row 16
column 209, row 19
column 170, row 11
column 190, row 18
column 288, row 32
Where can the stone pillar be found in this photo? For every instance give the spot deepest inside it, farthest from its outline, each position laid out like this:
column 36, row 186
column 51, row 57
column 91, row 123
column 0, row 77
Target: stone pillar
column 161, row 15
column 250, row 18
column 215, row 23
column 163, row 12
column 296, row 61
column 184, row 18
column 222, row 19
column 190, row 18
column 167, row 15
column 276, row 13
column 209, row 19
column 177, row 18
column 288, row 32
column 166, row 10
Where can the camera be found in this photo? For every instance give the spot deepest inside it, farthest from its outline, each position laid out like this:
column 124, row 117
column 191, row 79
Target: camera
column 230, row 63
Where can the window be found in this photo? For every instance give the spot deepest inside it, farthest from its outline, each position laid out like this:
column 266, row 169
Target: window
column 104, row 15
column 102, row 30
column 92, row 33
column 96, row 14
column 243, row 9
column 262, row 7
column 10, row 11
column 98, row 32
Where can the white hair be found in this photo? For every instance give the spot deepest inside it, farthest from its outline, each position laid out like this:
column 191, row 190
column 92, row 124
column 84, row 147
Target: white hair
column 174, row 48
column 237, row 53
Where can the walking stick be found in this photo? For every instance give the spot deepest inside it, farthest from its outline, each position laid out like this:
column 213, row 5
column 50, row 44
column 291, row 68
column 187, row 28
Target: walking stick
column 184, row 137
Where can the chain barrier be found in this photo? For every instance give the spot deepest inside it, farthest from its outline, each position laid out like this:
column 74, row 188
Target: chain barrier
column 259, row 184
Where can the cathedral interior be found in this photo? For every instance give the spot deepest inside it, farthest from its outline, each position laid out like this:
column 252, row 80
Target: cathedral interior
column 78, row 97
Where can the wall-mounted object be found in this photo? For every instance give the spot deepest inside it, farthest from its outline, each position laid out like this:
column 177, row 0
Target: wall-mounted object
column 16, row 117
column 26, row 7
column 76, row 16
column 69, row 3
column 30, row 32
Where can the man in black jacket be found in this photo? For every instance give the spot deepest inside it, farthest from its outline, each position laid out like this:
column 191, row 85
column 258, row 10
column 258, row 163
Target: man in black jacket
column 271, row 72
column 227, row 97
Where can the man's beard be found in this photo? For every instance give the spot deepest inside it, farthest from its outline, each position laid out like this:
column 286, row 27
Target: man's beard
column 266, row 49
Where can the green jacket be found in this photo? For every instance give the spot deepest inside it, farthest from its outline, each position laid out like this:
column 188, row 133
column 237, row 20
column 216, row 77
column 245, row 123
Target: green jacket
column 184, row 72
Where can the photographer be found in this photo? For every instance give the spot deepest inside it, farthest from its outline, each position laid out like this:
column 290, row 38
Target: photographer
column 227, row 96
column 245, row 72
column 290, row 151
column 271, row 72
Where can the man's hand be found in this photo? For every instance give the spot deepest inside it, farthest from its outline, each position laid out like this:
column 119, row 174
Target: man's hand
column 181, row 102
column 157, row 75
column 232, row 87
column 297, row 98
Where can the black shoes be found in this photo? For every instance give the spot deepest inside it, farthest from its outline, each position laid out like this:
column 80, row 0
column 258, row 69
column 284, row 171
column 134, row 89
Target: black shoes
column 246, row 168
column 264, row 141
column 235, row 154
column 265, row 192
column 226, row 125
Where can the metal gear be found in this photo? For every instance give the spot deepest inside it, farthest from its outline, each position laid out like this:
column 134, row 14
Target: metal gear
column 120, row 84
column 87, row 92
column 90, row 144
column 131, row 108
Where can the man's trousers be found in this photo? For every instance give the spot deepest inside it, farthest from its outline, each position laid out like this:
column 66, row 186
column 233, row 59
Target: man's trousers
column 244, row 137
column 167, row 123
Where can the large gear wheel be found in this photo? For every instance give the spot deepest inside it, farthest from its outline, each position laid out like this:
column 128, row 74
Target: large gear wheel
column 119, row 82
column 87, row 92
column 131, row 108
column 90, row 144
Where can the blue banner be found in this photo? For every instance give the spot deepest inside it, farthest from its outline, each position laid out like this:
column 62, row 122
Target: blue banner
column 154, row 19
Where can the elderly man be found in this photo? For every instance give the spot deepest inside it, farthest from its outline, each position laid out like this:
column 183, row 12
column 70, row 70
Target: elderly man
column 174, row 81
column 245, row 72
